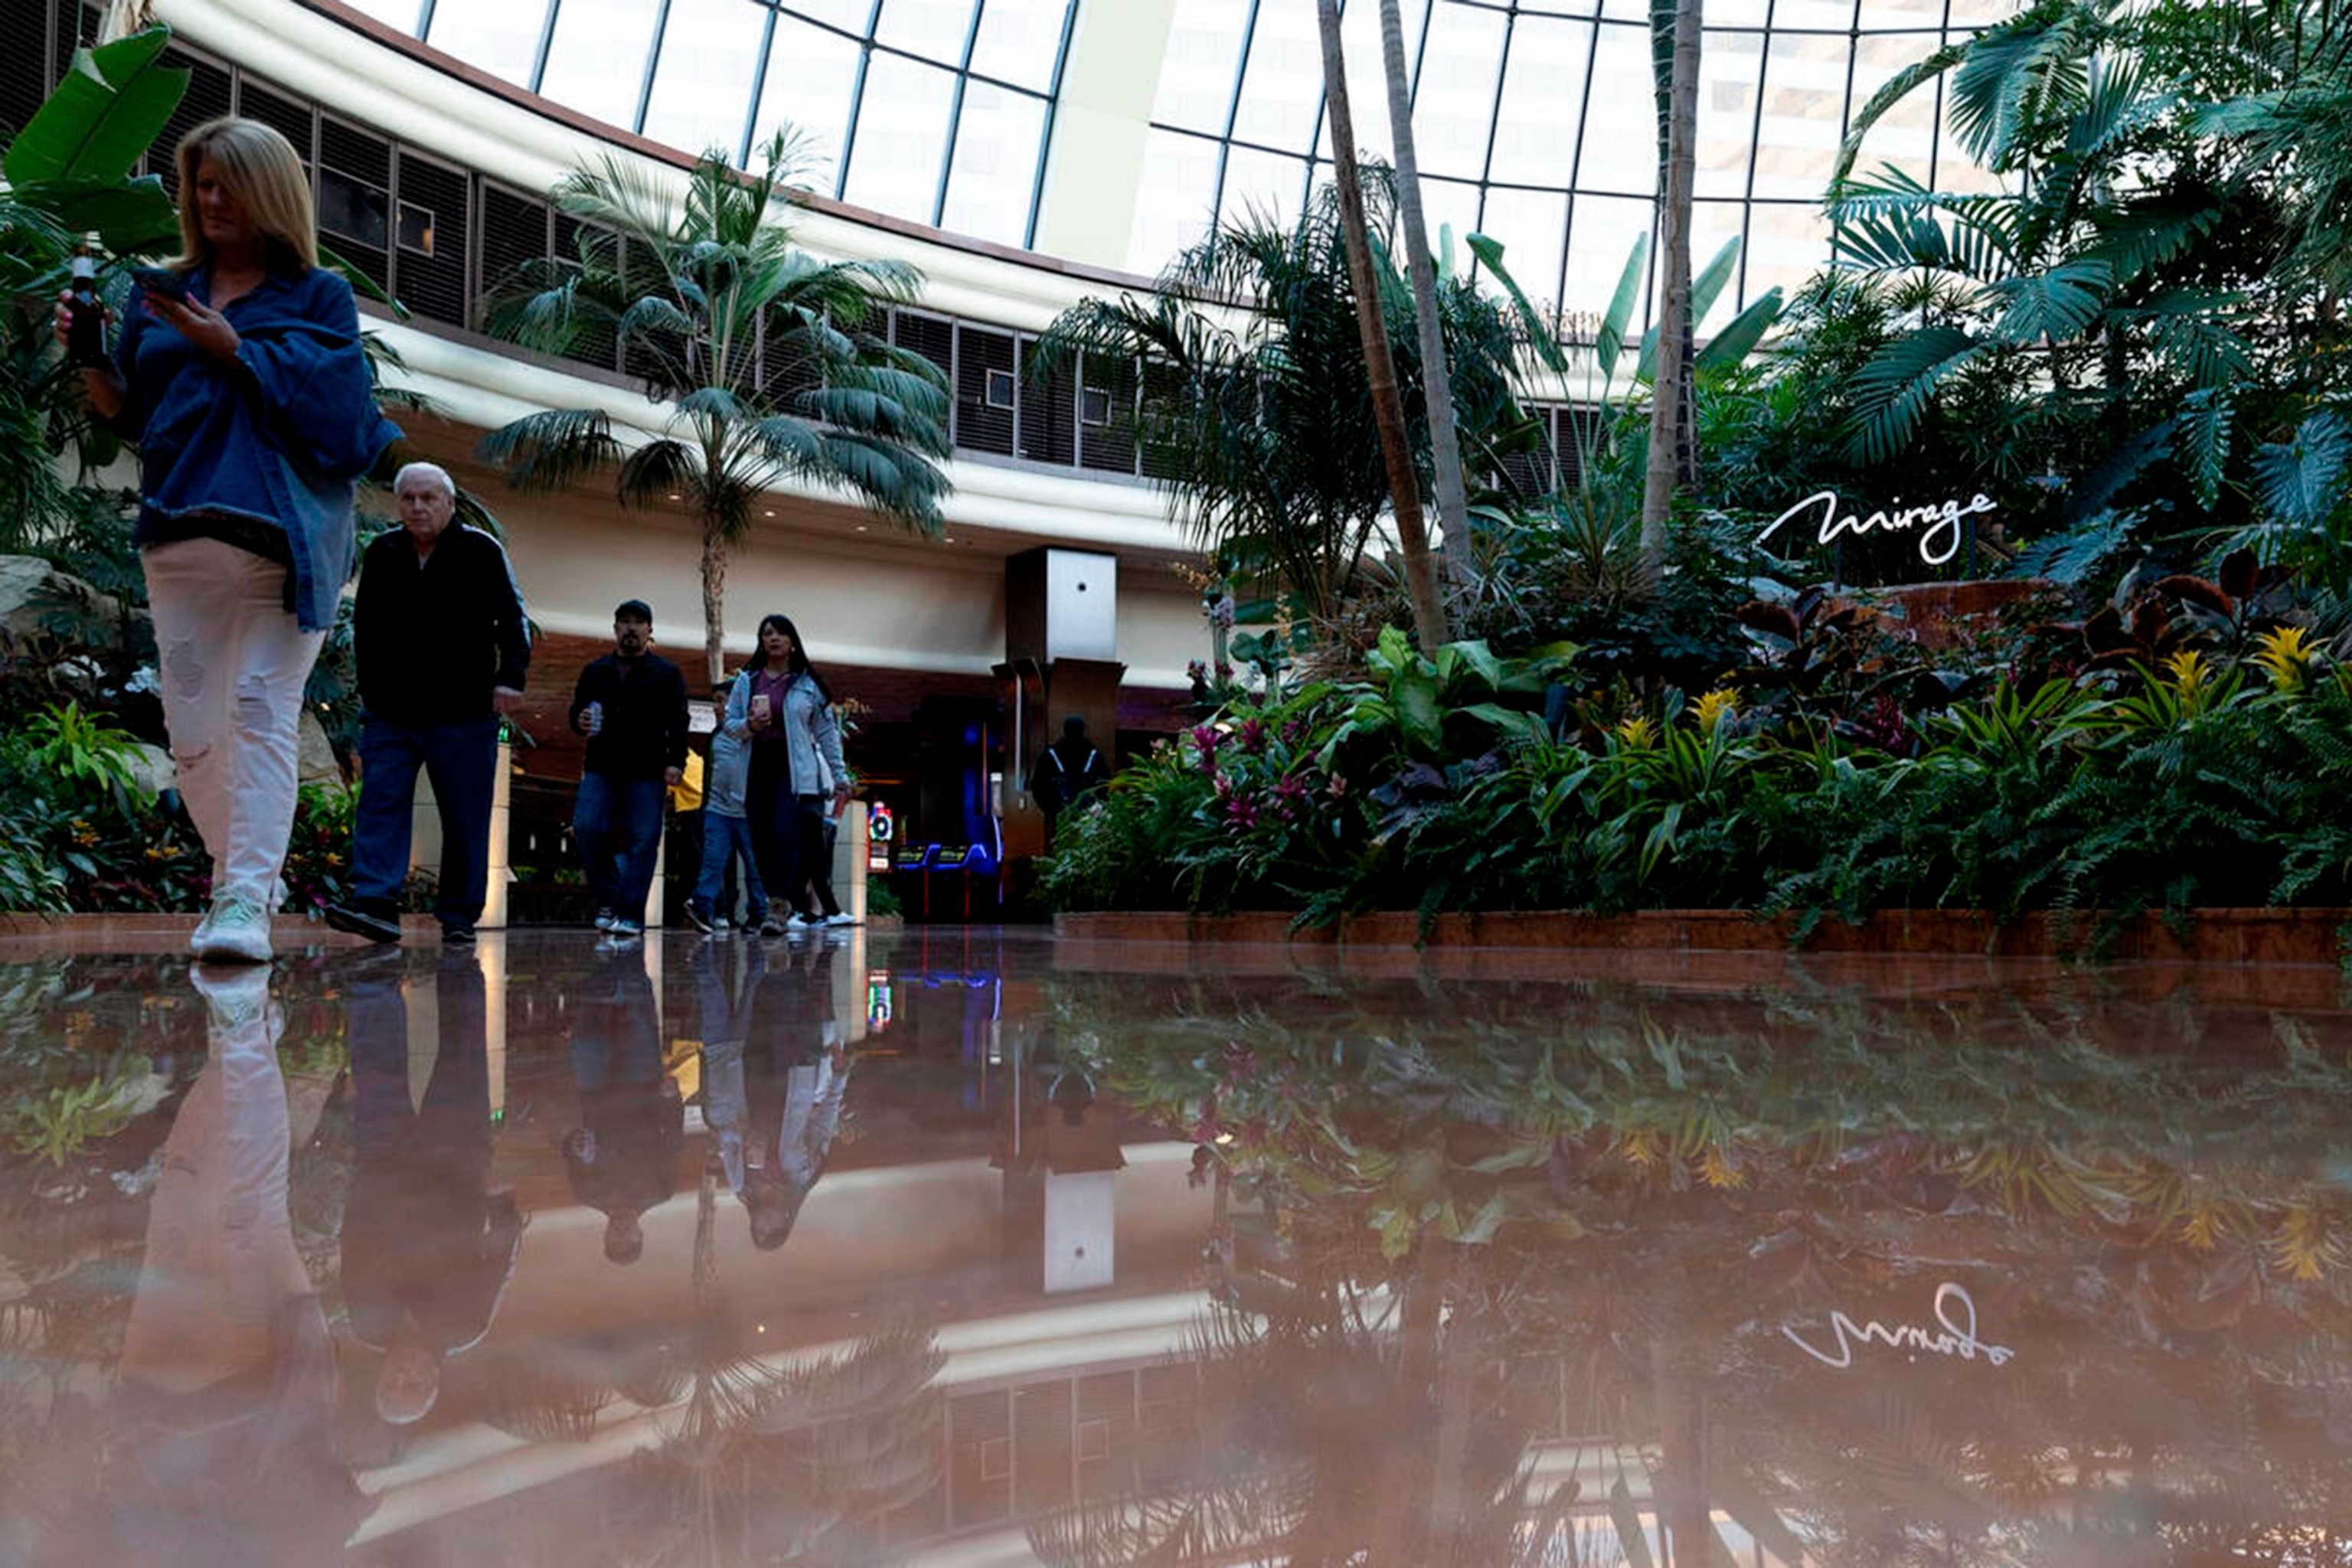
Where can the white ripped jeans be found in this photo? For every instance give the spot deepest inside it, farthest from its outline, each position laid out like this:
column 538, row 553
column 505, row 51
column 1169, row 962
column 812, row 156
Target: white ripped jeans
column 232, row 664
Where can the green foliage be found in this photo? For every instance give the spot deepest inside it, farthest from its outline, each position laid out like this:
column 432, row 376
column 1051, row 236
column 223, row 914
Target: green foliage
column 1433, row 785
column 1262, row 427
column 769, row 361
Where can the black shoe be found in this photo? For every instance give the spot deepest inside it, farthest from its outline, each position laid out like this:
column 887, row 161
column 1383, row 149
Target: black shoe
column 366, row 922
column 457, row 934
column 699, row 920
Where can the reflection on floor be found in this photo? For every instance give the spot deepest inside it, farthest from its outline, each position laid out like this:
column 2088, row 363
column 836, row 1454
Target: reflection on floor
column 958, row 1246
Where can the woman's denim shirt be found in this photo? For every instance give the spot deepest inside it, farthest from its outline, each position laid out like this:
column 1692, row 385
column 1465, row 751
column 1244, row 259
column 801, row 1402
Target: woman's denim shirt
column 280, row 437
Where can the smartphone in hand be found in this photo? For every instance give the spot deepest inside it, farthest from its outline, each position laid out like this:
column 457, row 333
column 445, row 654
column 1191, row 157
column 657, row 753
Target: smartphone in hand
column 165, row 282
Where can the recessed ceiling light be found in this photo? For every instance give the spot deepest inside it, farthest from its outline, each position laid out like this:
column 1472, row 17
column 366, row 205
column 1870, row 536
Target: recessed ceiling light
column 676, row 497
column 767, row 514
column 861, row 528
column 945, row 539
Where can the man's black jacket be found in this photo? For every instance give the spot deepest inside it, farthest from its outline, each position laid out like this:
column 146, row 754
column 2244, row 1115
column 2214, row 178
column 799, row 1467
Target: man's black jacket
column 645, row 716
column 433, row 638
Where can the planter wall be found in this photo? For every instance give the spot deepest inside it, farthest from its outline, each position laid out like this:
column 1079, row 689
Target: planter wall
column 2213, row 936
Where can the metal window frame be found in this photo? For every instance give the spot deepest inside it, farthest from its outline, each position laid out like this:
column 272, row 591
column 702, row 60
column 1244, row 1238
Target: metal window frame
column 856, row 101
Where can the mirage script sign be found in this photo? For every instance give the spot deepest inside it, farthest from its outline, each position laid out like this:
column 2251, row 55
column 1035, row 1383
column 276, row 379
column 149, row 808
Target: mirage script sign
column 1955, row 1334
column 1938, row 544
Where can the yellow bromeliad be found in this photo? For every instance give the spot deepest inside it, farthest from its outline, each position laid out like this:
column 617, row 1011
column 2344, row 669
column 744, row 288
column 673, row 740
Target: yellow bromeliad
column 1714, row 707
column 2285, row 654
column 1637, row 733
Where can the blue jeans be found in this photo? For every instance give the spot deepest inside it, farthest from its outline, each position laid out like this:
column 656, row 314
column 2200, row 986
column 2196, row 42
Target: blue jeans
column 462, row 761
column 724, row 839
column 618, row 823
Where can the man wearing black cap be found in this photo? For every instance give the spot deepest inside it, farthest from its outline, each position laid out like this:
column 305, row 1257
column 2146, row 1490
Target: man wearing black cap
column 631, row 705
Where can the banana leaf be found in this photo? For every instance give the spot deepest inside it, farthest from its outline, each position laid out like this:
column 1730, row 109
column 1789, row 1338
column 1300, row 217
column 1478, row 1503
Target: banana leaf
column 1706, row 288
column 1729, row 347
column 102, row 118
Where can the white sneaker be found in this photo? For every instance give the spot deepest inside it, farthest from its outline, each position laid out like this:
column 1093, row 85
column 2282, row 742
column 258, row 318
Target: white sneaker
column 236, row 996
column 237, row 931
column 605, row 919
column 841, row 918
column 804, row 921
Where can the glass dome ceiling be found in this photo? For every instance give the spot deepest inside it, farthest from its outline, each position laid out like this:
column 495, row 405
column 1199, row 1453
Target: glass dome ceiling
column 1534, row 117
column 1536, row 124
column 937, row 111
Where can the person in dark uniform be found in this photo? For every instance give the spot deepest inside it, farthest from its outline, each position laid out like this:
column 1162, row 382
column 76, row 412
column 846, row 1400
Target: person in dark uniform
column 623, row 1158
column 1066, row 772
column 631, row 705
column 428, row 1244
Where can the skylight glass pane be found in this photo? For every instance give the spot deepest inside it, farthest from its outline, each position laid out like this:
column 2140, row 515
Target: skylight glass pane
column 1905, row 135
column 1368, row 86
column 1620, row 145
column 1543, row 99
column 935, row 30
column 1171, row 199
column 1728, row 75
column 703, row 86
column 902, row 135
column 1196, row 73
column 1602, row 236
column 1020, row 40
column 1532, row 226
column 1804, row 98
column 402, row 13
column 1263, row 186
column 850, row 15
column 995, row 164
column 597, row 62
column 1283, row 87
column 812, row 76
column 1461, row 64
column 500, row 39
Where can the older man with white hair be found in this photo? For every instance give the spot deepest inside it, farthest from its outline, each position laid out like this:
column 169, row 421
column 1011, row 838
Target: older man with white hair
column 443, row 649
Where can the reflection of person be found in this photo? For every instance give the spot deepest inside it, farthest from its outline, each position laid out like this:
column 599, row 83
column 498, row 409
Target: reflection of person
column 727, row 835
column 254, row 411
column 781, row 703
column 797, row 1077
column 1067, row 770
column 727, row 984
column 443, row 651
column 631, row 705
column 226, row 1387
column 427, row 1248
column 623, row 1157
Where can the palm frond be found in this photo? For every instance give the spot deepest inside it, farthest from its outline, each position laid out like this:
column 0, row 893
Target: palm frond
column 2054, row 306
column 657, row 470
column 1892, row 392
column 551, row 449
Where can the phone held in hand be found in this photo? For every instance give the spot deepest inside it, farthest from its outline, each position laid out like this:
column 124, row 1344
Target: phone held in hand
column 165, row 282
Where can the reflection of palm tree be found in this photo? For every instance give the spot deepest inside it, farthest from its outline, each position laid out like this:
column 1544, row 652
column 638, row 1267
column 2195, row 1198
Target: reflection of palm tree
column 1670, row 1183
column 800, row 1448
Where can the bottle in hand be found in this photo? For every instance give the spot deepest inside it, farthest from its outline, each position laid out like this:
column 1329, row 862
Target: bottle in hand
column 86, row 329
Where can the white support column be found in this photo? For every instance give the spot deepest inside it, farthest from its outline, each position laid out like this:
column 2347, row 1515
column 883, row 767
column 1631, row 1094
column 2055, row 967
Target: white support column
column 1109, row 86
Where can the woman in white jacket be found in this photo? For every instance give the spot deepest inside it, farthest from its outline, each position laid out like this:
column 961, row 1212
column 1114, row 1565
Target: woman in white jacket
column 781, row 705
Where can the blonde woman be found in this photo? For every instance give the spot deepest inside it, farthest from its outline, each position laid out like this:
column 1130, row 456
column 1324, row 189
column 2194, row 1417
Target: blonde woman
column 240, row 378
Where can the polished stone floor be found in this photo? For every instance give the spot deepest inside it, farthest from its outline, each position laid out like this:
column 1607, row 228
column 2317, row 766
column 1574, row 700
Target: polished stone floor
column 963, row 1246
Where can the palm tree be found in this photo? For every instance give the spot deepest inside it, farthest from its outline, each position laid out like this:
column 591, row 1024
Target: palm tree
column 1669, row 392
column 1444, row 446
column 1388, row 406
column 1261, row 421
column 768, row 362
